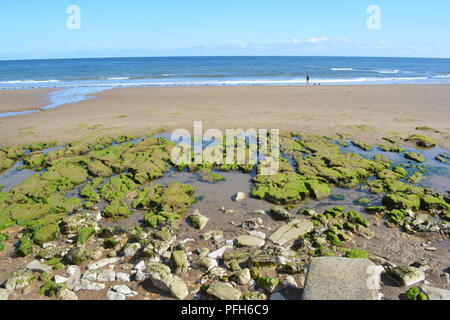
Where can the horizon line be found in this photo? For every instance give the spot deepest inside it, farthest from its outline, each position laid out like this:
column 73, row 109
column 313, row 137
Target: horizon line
column 226, row 56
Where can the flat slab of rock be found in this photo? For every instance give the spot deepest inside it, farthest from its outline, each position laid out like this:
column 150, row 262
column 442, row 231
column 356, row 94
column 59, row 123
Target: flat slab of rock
column 38, row 266
column 334, row 278
column 291, row 231
column 250, row 241
column 102, row 263
column 436, row 293
column 223, row 291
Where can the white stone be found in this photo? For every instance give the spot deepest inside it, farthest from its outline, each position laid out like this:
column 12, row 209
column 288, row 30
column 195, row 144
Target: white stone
column 60, row 279
column 106, row 275
column 90, row 285
column 219, row 253
column 239, row 196
column 111, row 295
column 140, row 265
column 4, row 294
column 102, row 263
column 120, row 288
column 123, row 277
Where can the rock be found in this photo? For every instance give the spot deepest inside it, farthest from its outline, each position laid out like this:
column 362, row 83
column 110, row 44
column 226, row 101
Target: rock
column 252, row 224
column 179, row 261
column 100, row 275
column 436, row 293
column 223, row 291
column 140, row 265
column 160, row 276
column 204, row 263
column 20, row 279
column 215, row 235
column 37, row 266
column 270, row 285
column 130, row 249
column 66, row 294
column 289, row 282
column 258, row 234
column 122, row 277
column 120, row 288
column 250, row 241
column 74, row 223
column 335, row 278
column 52, row 252
column 280, row 214
column 406, row 276
column 102, row 263
column 240, row 196
column 4, row 294
column 261, row 212
column 277, row 296
column 74, row 273
column 242, row 277
column 219, row 253
column 421, row 141
column 415, row 157
column 258, row 296
column 291, row 231
column 197, row 220
column 76, row 256
column 111, row 295
column 60, row 279
column 90, row 286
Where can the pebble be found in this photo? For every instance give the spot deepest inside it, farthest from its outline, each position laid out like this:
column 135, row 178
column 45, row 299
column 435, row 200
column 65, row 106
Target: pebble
column 60, row 279
column 102, row 263
column 123, row 277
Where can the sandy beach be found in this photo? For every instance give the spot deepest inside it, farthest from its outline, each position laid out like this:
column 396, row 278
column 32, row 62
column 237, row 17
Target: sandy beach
column 367, row 112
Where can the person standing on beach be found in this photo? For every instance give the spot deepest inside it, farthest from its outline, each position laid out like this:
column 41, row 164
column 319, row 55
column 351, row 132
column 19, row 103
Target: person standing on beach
column 307, row 78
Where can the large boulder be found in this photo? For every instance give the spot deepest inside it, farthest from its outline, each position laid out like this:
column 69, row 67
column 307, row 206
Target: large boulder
column 335, row 278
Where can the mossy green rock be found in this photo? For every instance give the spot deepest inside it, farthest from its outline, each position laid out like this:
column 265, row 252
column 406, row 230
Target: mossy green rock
column 421, row 141
column 415, row 157
column 46, row 234
column 281, row 188
column 117, row 209
column 98, row 169
column 318, row 190
column 402, row 201
column 356, row 254
column 85, row 234
column 415, row 293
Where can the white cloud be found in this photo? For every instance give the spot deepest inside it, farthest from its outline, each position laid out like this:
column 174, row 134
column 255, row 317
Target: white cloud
column 316, row 40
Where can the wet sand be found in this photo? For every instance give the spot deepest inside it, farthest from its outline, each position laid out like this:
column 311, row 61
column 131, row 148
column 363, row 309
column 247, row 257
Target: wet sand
column 368, row 113
column 23, row 100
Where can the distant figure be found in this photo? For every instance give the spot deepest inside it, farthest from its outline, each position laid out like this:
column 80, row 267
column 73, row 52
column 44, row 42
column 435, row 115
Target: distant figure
column 307, row 78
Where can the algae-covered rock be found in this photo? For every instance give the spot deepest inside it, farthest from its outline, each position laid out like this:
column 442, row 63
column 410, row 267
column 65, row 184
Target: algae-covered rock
column 117, row 209
column 19, row 279
column 415, row 157
column 281, row 188
column 268, row 284
column 161, row 278
column 406, row 276
column 429, row 202
column 402, row 201
column 391, row 148
column 197, row 220
column 318, row 190
column 25, row 246
column 415, row 177
column 85, row 234
column 98, row 169
column 357, row 253
column 279, row 213
column 46, row 234
column 362, row 145
column 421, row 141
column 415, row 293
column 179, row 261
column 118, row 187
column 76, row 256
column 223, row 291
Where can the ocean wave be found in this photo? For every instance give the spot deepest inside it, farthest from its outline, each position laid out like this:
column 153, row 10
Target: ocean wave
column 388, row 71
column 27, row 81
column 343, row 69
column 119, row 78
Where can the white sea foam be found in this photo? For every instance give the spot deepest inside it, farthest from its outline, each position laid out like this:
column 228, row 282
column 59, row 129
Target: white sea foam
column 343, row 69
column 388, row 71
column 28, row 81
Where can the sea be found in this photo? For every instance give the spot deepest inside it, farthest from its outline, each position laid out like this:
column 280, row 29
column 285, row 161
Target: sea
column 80, row 78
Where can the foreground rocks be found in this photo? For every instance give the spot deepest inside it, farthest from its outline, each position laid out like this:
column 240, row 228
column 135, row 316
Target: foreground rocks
column 331, row 278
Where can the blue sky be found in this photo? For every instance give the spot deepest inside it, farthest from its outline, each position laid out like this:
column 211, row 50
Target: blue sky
column 37, row 29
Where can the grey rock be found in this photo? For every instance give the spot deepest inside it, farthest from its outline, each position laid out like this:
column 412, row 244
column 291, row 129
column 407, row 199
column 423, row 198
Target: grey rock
column 66, row 294
column 122, row 277
column 130, row 249
column 406, row 276
column 240, row 196
column 179, row 261
column 102, row 263
column 20, row 279
column 160, row 276
column 334, row 278
column 291, row 231
column 277, row 296
column 436, row 293
column 279, row 213
column 38, row 266
column 60, row 279
column 204, row 263
column 4, row 294
column 242, row 277
column 120, row 288
column 223, row 291
column 197, row 220
column 111, row 295
column 250, row 241
column 215, row 235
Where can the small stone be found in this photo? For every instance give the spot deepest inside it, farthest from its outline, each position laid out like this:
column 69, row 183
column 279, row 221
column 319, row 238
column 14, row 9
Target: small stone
column 106, row 275
column 240, row 196
column 19, row 279
column 243, row 276
column 111, row 295
column 197, row 220
column 60, row 279
column 277, row 296
column 219, row 253
column 120, row 288
column 279, row 213
column 179, row 261
column 250, row 241
column 215, row 235
column 261, row 212
column 130, row 249
column 90, row 285
column 291, row 231
column 38, row 266
column 140, row 265
column 102, row 263
column 4, row 294
column 122, row 277
column 66, row 294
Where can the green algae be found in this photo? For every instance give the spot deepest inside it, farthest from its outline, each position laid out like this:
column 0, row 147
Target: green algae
column 85, row 234
column 118, row 187
column 281, row 188
column 415, row 293
column 117, row 209
column 391, row 148
column 415, row 157
column 421, row 141
column 362, row 145
column 45, row 234
column 357, row 254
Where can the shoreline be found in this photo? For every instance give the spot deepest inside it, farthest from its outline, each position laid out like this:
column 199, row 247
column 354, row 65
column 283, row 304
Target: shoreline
column 366, row 112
